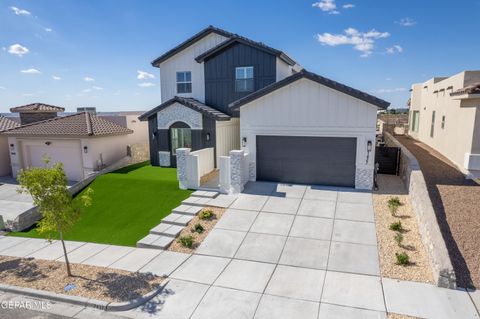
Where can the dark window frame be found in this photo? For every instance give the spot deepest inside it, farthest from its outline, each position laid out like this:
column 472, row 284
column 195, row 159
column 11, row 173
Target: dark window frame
column 244, row 82
column 184, row 82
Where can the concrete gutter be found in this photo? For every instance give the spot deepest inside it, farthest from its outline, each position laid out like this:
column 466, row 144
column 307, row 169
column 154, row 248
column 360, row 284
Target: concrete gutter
column 432, row 238
column 82, row 301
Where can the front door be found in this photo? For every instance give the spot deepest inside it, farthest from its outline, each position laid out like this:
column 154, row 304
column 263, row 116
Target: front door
column 180, row 137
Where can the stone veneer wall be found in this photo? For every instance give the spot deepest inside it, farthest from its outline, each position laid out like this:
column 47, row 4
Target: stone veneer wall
column 432, row 238
column 364, row 178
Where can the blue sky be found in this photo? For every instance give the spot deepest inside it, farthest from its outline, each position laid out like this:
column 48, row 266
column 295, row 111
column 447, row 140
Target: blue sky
column 88, row 53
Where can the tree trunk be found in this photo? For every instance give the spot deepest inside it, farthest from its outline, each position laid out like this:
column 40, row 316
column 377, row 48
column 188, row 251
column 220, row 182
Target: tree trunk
column 69, row 273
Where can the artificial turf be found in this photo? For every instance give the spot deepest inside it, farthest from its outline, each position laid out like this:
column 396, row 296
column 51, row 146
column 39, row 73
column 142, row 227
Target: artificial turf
column 126, row 204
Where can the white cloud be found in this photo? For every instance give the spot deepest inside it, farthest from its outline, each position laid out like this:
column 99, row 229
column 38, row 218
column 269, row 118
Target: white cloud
column 48, row 29
column 407, row 22
column 348, row 6
column 395, row 49
column 394, row 90
column 17, row 49
column 88, row 79
column 2, row 88
column 326, row 6
column 142, row 75
column 98, row 88
column 20, row 12
column 30, row 71
column 146, row 84
column 361, row 41
column 56, row 78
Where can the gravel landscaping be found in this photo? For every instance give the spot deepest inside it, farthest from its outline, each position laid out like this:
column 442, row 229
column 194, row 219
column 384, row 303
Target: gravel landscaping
column 207, row 225
column 98, row 283
column 456, row 204
column 419, row 268
column 398, row 316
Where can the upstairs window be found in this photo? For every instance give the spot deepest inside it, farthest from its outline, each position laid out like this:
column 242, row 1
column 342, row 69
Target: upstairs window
column 184, row 82
column 432, row 127
column 244, row 79
column 443, row 122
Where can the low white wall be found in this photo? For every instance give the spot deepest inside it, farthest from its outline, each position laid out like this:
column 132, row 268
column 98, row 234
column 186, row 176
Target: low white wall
column 432, row 238
column 191, row 166
column 234, row 172
column 5, row 168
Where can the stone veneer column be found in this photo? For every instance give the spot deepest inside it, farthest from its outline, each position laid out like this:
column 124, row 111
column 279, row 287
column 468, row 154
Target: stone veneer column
column 182, row 154
column 236, row 183
column 364, row 178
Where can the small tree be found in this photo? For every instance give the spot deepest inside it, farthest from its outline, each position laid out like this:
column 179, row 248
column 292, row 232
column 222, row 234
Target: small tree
column 48, row 188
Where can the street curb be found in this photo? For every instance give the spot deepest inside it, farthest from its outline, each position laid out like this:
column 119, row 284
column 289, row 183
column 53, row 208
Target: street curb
column 82, row 301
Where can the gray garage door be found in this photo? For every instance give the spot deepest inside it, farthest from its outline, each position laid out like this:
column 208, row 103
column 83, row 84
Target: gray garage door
column 306, row 160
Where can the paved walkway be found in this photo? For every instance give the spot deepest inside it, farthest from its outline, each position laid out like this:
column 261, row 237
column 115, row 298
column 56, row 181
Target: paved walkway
column 278, row 252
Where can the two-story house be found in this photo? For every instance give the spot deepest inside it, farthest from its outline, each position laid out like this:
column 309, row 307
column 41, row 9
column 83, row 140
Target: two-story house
column 445, row 114
column 223, row 91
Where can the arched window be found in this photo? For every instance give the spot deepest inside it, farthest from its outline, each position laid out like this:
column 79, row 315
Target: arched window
column 180, row 136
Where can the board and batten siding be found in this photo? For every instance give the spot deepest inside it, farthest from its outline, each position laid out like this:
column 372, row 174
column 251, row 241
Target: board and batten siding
column 307, row 108
column 227, row 137
column 185, row 61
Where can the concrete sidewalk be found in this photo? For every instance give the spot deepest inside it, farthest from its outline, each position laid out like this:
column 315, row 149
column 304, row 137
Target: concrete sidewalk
column 279, row 251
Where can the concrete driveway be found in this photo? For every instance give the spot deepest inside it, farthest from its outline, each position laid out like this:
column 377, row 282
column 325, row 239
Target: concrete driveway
column 13, row 204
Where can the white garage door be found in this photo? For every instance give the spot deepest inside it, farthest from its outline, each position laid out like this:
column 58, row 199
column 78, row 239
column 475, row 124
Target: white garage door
column 67, row 154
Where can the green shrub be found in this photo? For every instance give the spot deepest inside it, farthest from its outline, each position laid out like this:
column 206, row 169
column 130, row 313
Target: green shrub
column 206, row 214
column 393, row 204
column 399, row 239
column 396, row 226
column 197, row 229
column 402, row 259
column 186, row 241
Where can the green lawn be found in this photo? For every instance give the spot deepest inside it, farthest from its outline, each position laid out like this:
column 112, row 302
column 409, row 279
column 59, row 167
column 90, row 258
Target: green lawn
column 126, row 204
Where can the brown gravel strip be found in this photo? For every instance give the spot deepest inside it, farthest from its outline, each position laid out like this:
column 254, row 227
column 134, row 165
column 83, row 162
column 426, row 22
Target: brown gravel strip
column 419, row 269
column 197, row 238
column 99, row 283
column 456, row 202
column 398, row 316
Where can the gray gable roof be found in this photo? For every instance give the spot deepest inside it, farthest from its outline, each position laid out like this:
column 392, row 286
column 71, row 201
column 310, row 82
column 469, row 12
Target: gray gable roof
column 239, row 39
column 185, row 44
column 233, row 38
column 190, row 103
column 314, row 77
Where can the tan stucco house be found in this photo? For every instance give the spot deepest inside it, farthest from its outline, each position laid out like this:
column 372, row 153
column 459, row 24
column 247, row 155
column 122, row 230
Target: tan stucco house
column 83, row 142
column 5, row 124
column 445, row 114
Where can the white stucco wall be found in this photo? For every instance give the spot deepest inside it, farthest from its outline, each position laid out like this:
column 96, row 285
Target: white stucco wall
column 227, row 137
column 457, row 138
column 185, row 61
column 282, row 69
column 5, row 168
column 109, row 149
column 139, row 128
column 306, row 108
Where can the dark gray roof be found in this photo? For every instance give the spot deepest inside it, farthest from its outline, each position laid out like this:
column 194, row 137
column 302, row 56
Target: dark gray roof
column 185, row 44
column 314, row 77
column 239, row 39
column 190, row 103
column 233, row 38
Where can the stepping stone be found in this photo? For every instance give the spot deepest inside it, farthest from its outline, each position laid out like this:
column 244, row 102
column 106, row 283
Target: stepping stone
column 155, row 241
column 196, row 201
column 205, row 194
column 187, row 210
column 177, row 219
column 166, row 230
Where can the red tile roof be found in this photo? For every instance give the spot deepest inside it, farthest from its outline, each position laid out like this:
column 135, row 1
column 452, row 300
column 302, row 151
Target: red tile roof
column 6, row 123
column 471, row 89
column 36, row 107
column 75, row 125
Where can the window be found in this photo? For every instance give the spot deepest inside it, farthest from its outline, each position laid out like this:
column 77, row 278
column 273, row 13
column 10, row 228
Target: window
column 415, row 120
column 180, row 136
column 244, row 79
column 184, row 82
column 443, row 122
column 432, row 128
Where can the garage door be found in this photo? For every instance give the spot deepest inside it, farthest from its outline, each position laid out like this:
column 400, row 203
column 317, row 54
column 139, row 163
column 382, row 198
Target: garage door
column 307, row 160
column 69, row 156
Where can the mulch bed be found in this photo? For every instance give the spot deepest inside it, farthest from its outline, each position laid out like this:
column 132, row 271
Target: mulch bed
column 456, row 202
column 207, row 225
column 419, row 268
column 98, row 283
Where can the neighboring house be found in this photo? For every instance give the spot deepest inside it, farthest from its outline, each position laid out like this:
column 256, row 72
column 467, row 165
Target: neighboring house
column 5, row 124
column 83, row 142
column 226, row 92
column 393, row 123
column 445, row 114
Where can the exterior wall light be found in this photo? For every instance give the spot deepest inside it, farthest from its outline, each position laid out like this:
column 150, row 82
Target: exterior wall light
column 48, row 143
column 12, row 146
column 369, row 149
column 244, row 141
column 85, row 149
column 208, row 137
